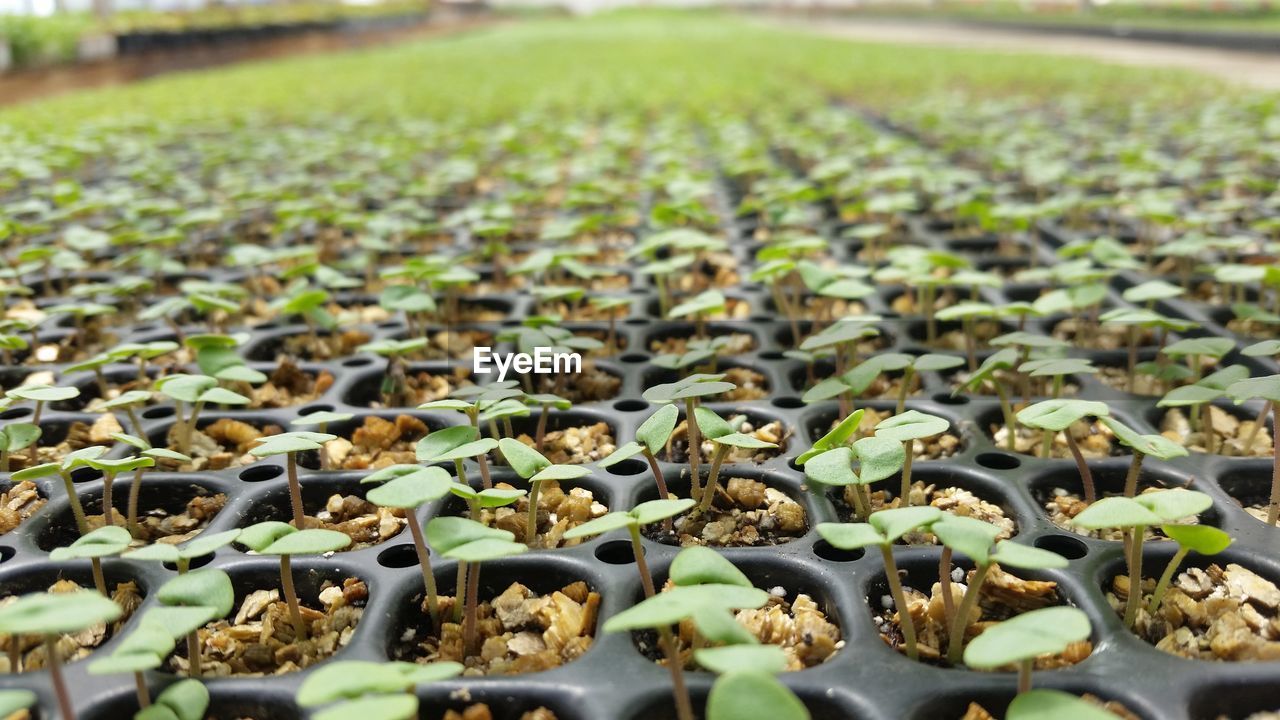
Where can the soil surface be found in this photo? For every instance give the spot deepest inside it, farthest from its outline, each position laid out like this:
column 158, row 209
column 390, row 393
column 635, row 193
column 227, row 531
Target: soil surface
column 774, row 432
column 1215, row 613
column 745, row 513
column 377, row 443
column 17, row 504
column 1231, row 435
column 288, row 386
column 575, row 445
column 1095, row 441
column 224, row 443
column 157, row 525
column 738, row 343
column 559, row 511
column 71, row 647
column 1002, row 596
column 424, row 387
column 260, row 639
column 1063, row 505
column 950, row 499
column 520, row 631
column 365, row 523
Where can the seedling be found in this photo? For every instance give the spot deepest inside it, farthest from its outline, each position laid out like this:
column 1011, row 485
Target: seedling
column 197, row 391
column 878, row 459
column 842, row 338
column 651, row 437
column 535, row 468
column 143, row 352
column 882, row 529
column 50, row 615
column 290, row 444
column 723, row 438
column 93, row 546
column 545, row 403
column 216, row 356
column 70, row 462
column 370, row 690
column 1203, row 539
column 129, row 402
column 95, row 365
column 13, row 702
column 470, row 543
column 277, row 538
column 14, row 437
column 393, row 388
column 189, row 601
column 184, row 700
column 1003, row 359
column 1157, row 446
column 1134, row 516
column 1021, row 639
column 907, row 428
column 1199, row 397
column 135, row 487
column 109, row 470
column 700, row 307
column 968, row 313
column 485, row 398
column 746, row 688
column 41, row 394
column 1265, row 388
column 689, row 390
column 454, row 445
column 1057, row 416
column 1046, row 704
column 409, row 487
column 974, row 539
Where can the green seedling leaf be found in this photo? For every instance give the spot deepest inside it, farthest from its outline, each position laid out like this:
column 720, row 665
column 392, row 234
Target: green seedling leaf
column 678, row 603
column 1203, row 539
column 1152, row 290
column 624, row 451
column 896, row 522
column 36, row 471
column 186, row 388
column 400, row 706
column 699, row 385
column 446, row 533
column 121, row 465
column 43, row 393
column 312, row 541
column 1266, row 388
column 56, row 613
column 431, row 447
column 1017, row 555
column 560, row 472
column 911, row 425
column 603, row 524
column 718, row 625
column 526, row 461
column 753, row 696
column 323, row 417
column 412, row 489
column 485, row 550
column 102, row 542
column 1029, row 635
column 647, row 513
column 966, row 535
column 712, row 425
column 179, row 620
column 707, row 302
column 701, row 565
column 769, row 659
column 850, row 536
column 1115, row 512
column 19, row 435
column 833, row 467
column 838, row 435
column 742, row 440
column 878, row 458
column 132, row 397
column 1174, row 504
column 1058, row 415
column 286, row 443
column 1197, row 394
column 187, row 699
column 205, row 587
column 258, row 536
column 490, row 498
column 349, row 679
column 1043, row 704
column 1266, row 348
column 657, row 428
column 1209, row 346
column 14, row 701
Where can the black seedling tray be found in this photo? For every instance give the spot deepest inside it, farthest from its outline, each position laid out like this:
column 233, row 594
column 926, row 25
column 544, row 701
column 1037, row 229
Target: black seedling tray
column 866, row 679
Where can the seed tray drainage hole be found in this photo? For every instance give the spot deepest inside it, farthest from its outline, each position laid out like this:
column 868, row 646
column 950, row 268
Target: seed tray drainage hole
column 949, row 399
column 771, row 355
column 156, row 413
column 6, row 553
column 630, row 405
column 616, row 552
column 399, row 556
column 314, row 409
column 15, row 413
column 357, row 362
column 630, row 466
column 998, row 461
column 196, row 563
column 1066, row 546
column 788, row 403
column 84, row 475
column 635, row 358
column 259, row 473
column 827, row 551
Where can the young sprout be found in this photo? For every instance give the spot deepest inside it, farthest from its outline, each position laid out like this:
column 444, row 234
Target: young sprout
column 907, row 428
column 104, row 542
column 746, row 688
column 661, row 611
column 370, row 690
column 290, row 444
column 411, row 300
column 532, row 466
column 651, row 437
column 143, row 649
column 1265, row 388
column 612, row 307
column 1197, row 350
column 109, row 470
column 968, row 313
column 689, row 390
column 1134, row 516
column 1058, row 369
column 182, row 555
column 189, row 601
column 135, row 487
column 277, row 538
column 633, row 520
column 70, row 462
column 454, row 445
column 1203, row 539
column 408, row 487
column 882, row 529
column 973, row 539
column 700, row 307
column 723, row 438
column 878, row 459
column 394, row 388
column 485, row 398
column 41, row 394
column 1022, row 638
column 545, row 403
column 216, row 356
column 1265, row 348
column 51, row 615
column 143, row 352
column 13, row 702
column 1057, row 416
column 1199, row 398
column 1157, row 446
column 470, row 543
column 94, row 364
column 1003, row 359
column 14, row 437
column 197, row 391
column 1044, row 704
column 129, row 402
column 842, row 339
column 184, row 700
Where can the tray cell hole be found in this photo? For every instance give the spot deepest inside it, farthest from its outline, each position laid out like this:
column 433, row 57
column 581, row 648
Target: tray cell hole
column 616, row 552
column 788, row 403
column 357, row 362
column 630, row 466
column 635, row 358
column 630, row 405
column 1068, row 547
column 399, row 556
column 998, row 461
column 949, row 399
column 260, row 473
column 829, row 552
column 155, row 413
